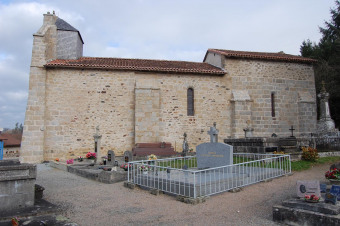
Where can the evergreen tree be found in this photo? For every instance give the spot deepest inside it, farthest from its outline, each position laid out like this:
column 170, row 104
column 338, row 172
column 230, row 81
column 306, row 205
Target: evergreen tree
column 327, row 52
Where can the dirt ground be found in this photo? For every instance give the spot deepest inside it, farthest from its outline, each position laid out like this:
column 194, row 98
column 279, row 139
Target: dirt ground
column 88, row 202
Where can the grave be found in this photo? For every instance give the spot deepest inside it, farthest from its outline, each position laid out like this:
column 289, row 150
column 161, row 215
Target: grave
column 162, row 149
column 300, row 212
column 210, row 172
column 16, row 185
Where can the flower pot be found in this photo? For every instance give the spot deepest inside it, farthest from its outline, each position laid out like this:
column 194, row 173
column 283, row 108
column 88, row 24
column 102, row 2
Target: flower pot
column 334, row 181
column 89, row 161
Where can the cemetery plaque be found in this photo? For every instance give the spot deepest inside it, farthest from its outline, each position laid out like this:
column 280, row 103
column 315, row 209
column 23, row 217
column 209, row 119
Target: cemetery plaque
column 329, row 198
column 110, row 158
column 211, row 155
column 323, row 188
column 127, row 156
column 335, row 190
column 311, row 187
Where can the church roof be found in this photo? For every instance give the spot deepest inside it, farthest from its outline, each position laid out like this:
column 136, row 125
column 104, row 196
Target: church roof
column 137, row 65
column 280, row 56
column 64, row 26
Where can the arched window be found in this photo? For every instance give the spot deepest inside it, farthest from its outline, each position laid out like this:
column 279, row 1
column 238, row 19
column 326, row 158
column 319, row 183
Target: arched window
column 190, row 100
column 273, row 104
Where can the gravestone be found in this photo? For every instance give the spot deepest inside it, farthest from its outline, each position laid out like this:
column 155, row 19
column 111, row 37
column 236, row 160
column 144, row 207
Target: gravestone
column 110, row 158
column 213, row 154
column 127, row 156
column 311, row 187
column 210, row 155
column 335, row 190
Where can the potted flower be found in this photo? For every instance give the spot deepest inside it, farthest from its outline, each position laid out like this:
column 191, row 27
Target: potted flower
column 126, row 166
column 70, row 161
column 333, row 176
column 91, row 155
column 312, row 198
column 80, row 159
column 144, row 168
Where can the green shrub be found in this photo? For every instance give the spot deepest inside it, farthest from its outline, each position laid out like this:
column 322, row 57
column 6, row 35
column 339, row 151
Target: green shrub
column 309, row 154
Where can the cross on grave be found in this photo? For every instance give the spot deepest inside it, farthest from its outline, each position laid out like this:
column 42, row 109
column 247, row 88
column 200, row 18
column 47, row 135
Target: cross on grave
column 213, row 132
column 292, row 129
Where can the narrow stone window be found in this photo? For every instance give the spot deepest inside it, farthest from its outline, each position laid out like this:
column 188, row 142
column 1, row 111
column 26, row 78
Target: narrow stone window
column 273, row 104
column 190, row 98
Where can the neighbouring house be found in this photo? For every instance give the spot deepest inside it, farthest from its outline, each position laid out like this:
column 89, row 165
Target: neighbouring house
column 12, row 143
column 147, row 101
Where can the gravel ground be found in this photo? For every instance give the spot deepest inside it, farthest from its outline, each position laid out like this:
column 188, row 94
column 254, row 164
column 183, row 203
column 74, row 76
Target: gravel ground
column 88, row 202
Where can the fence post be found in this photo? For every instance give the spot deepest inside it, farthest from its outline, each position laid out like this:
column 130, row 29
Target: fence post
column 1, row 150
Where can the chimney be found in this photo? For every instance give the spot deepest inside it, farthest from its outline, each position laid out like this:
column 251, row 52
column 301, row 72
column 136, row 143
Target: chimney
column 49, row 19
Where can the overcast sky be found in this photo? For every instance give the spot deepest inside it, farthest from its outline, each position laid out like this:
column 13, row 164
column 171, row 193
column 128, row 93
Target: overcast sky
column 152, row 29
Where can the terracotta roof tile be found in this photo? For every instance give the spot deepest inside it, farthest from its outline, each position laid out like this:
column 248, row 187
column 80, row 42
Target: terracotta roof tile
column 263, row 56
column 137, row 65
column 10, row 140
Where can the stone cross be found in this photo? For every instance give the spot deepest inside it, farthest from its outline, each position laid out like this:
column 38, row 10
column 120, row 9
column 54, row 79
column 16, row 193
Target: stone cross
column 97, row 137
column 292, row 129
column 213, row 132
column 185, row 145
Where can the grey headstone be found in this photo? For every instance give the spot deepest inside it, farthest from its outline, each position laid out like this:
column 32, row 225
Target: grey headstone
column 127, row 156
column 110, row 158
column 335, row 190
column 311, row 187
column 211, row 155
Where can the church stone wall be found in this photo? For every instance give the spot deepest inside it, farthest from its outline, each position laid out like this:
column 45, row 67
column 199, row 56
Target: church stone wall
column 285, row 80
column 79, row 100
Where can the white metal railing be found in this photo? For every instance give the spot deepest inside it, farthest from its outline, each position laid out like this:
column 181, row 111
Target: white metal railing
column 180, row 175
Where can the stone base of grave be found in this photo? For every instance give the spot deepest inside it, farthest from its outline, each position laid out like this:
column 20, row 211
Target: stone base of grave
column 16, row 185
column 299, row 212
column 129, row 185
column 192, row 201
column 101, row 173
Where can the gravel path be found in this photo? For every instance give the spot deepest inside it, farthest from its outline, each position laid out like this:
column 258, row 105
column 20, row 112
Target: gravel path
column 87, row 202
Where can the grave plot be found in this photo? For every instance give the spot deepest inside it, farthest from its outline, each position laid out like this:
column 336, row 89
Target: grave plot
column 186, row 176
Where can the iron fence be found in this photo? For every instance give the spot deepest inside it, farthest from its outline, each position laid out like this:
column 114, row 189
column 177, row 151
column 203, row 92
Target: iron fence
column 180, row 175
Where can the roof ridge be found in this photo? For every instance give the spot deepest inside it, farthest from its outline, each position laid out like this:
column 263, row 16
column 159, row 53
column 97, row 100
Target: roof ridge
column 84, row 57
column 277, row 56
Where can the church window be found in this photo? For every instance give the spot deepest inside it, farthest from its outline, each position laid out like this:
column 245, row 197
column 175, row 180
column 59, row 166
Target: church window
column 190, row 98
column 273, row 104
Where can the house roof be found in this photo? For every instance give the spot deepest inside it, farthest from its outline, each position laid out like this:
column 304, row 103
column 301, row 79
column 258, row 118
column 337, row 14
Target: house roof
column 64, row 26
column 262, row 56
column 137, row 65
column 10, row 140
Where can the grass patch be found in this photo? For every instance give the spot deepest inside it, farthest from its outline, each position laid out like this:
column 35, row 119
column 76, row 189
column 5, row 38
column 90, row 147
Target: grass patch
column 304, row 165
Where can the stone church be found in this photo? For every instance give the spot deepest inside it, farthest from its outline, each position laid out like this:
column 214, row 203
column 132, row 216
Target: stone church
column 138, row 101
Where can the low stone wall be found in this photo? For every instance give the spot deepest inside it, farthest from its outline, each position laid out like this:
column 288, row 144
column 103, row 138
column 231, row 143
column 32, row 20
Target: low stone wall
column 16, row 185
